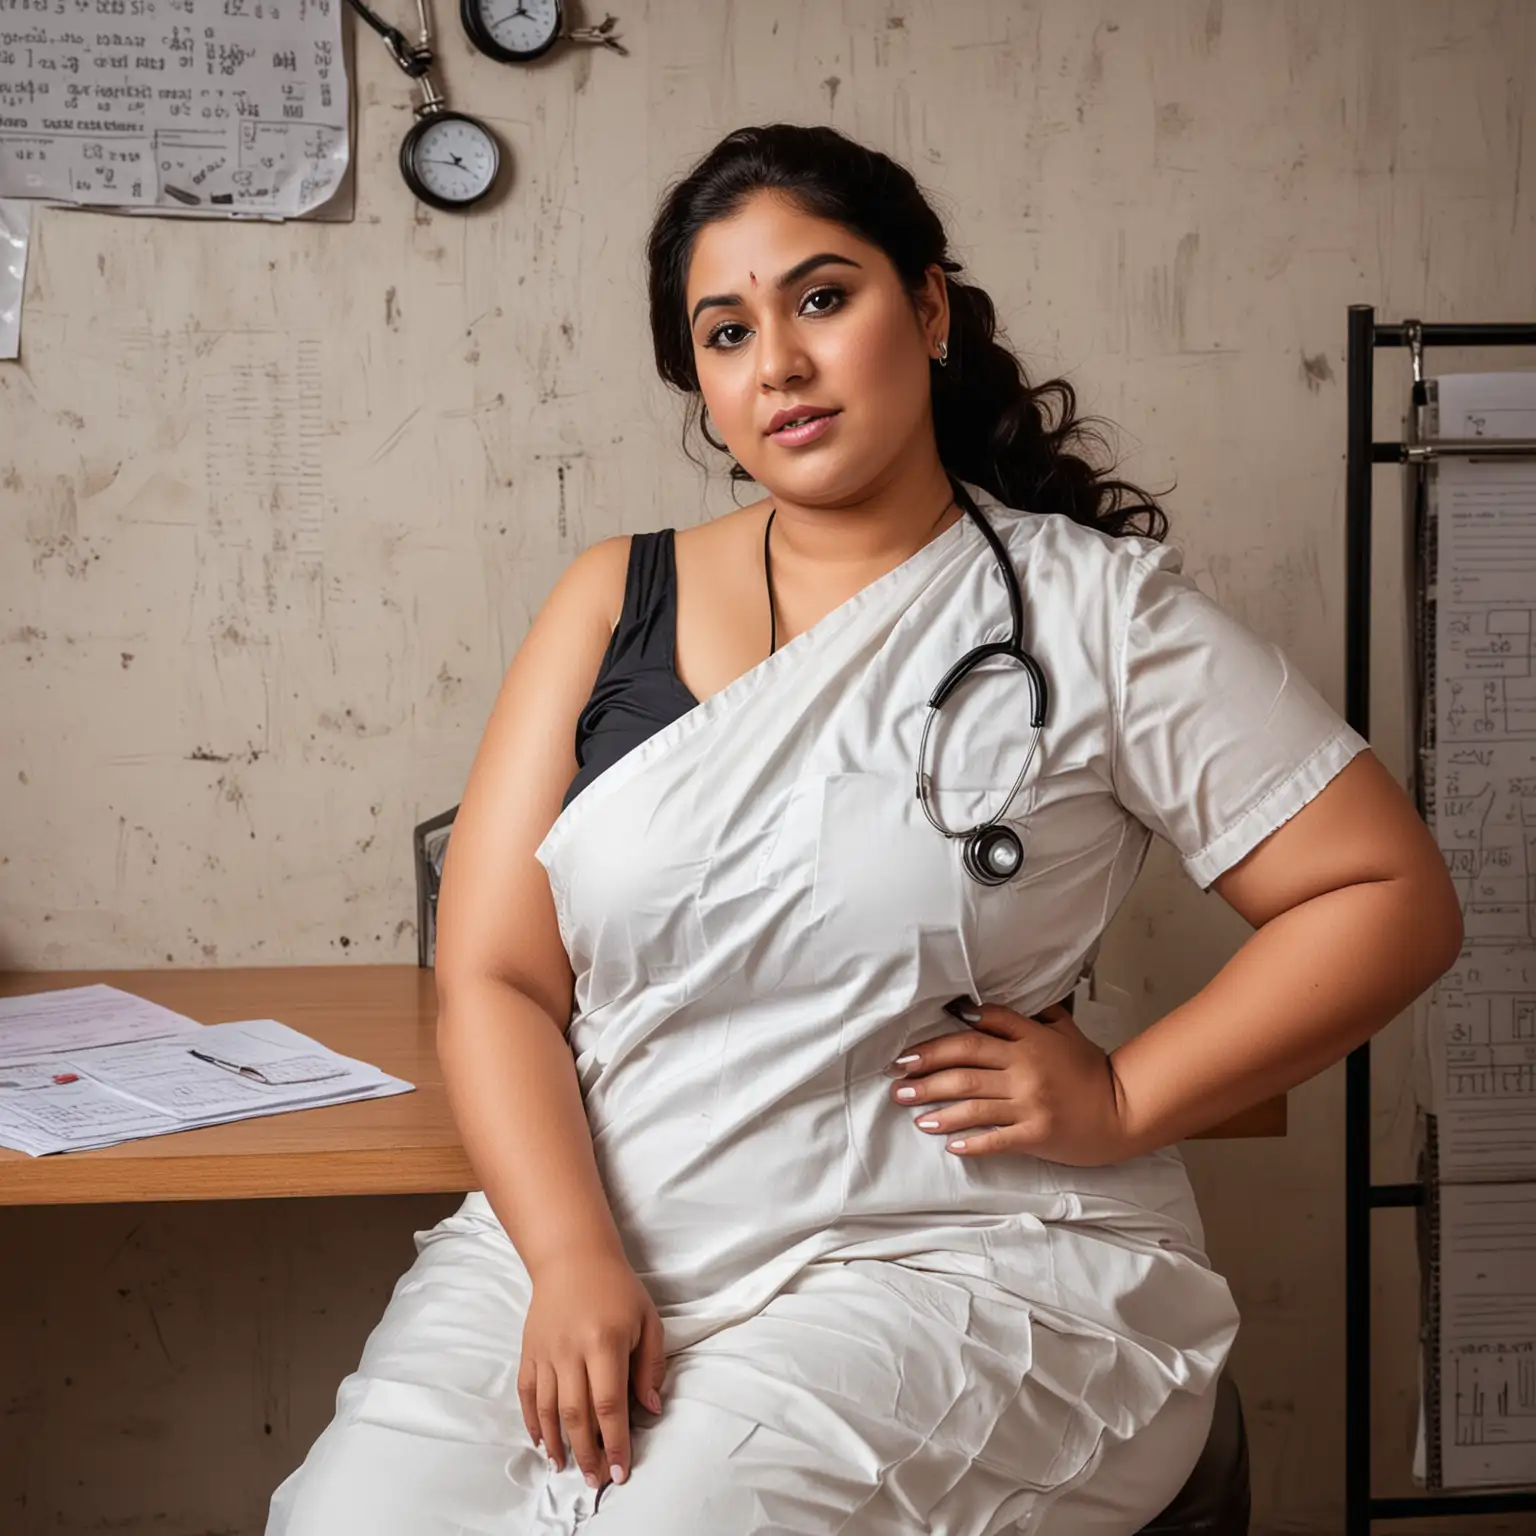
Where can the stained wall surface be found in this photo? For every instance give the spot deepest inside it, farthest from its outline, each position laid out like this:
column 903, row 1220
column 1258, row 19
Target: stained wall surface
column 278, row 503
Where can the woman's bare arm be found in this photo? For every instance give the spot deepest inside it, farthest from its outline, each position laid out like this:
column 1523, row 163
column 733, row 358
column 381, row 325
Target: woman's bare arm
column 592, row 1333
column 1356, row 916
column 503, row 979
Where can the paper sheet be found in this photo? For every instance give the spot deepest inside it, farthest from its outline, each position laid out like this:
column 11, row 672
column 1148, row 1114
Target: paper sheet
column 76, row 1018
column 165, row 1074
column 45, row 1105
column 223, row 106
column 15, row 232
column 1488, row 1334
column 1482, row 1032
column 98, row 1096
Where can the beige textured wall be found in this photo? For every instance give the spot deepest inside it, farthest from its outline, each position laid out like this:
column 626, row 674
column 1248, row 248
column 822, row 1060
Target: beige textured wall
column 276, row 505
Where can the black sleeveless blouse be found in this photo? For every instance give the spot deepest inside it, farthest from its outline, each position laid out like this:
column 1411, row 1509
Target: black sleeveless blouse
column 637, row 691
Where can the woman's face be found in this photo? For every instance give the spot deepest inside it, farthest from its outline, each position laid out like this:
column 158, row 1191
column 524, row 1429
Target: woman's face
column 796, row 319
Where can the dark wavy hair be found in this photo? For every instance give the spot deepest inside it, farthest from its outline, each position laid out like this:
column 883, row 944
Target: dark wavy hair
column 1023, row 442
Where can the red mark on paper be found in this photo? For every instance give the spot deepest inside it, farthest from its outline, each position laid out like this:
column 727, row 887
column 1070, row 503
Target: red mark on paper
column 66, row 1077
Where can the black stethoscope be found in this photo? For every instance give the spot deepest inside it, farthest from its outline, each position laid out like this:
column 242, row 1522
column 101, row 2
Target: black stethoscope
column 991, row 852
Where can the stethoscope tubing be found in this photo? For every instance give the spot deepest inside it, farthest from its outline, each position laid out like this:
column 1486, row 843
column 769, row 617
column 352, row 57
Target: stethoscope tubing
column 1013, row 650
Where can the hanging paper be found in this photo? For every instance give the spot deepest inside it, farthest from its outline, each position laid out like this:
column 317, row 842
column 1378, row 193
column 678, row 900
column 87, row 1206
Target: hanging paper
column 1484, row 1039
column 198, row 106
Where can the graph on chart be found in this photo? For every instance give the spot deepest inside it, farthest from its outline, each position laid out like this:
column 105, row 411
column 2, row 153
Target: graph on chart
column 1495, row 1395
column 1487, row 1333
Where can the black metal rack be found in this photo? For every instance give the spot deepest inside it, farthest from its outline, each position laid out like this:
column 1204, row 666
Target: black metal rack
column 1361, row 1196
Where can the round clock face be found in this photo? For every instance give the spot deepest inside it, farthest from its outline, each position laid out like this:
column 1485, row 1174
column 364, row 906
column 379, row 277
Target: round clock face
column 450, row 161
column 516, row 30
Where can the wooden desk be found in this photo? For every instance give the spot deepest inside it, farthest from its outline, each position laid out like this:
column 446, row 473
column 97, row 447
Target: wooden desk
column 384, row 1014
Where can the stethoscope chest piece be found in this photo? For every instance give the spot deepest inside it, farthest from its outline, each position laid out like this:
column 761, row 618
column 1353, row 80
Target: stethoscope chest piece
column 993, row 855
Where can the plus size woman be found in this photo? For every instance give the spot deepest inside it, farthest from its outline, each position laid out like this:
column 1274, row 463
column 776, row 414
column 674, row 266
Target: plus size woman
column 805, row 1205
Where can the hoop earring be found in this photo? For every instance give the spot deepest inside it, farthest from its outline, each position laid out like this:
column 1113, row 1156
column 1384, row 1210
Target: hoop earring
column 943, row 354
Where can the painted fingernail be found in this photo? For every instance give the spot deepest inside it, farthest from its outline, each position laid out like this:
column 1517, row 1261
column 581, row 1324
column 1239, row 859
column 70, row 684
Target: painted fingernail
column 957, row 1146
column 906, row 1093
column 653, row 1402
column 928, row 1125
column 964, row 1009
column 899, row 1067
column 616, row 1472
column 591, row 1479
column 554, row 1466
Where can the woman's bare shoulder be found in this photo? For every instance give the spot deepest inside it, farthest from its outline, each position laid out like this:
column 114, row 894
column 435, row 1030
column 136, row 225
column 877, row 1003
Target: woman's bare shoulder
column 593, row 583
column 726, row 531
column 591, row 588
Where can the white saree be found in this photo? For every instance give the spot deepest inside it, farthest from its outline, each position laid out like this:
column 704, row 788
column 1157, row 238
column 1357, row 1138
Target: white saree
column 866, row 1333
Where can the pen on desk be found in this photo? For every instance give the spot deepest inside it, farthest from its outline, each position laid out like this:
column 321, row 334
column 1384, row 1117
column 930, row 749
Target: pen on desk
column 229, row 1066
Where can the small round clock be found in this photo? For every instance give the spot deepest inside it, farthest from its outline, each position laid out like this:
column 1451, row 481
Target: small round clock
column 513, row 31
column 449, row 160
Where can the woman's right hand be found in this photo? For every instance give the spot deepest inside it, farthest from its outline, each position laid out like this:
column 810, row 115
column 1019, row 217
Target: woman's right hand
column 592, row 1331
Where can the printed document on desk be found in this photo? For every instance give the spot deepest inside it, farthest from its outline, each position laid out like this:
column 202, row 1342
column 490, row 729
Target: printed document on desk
column 207, row 1075
column 1482, row 1034
column 72, row 1018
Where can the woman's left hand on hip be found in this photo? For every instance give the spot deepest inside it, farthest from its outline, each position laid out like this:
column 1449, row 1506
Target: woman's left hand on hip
column 1040, row 1084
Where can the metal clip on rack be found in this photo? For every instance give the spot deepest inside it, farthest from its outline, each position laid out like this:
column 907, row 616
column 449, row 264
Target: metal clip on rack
column 1361, row 1196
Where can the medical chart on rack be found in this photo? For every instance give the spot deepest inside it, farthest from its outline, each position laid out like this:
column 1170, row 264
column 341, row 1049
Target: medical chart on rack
column 1483, row 1021
column 219, row 107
